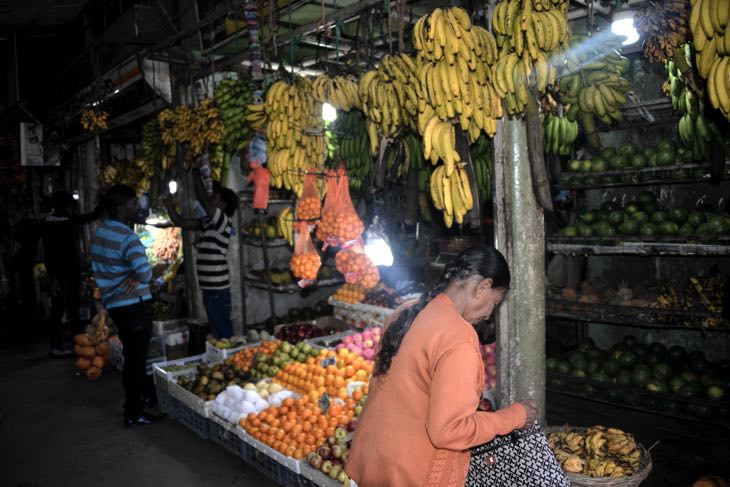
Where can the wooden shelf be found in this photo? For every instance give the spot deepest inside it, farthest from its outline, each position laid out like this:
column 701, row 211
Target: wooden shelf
column 694, row 246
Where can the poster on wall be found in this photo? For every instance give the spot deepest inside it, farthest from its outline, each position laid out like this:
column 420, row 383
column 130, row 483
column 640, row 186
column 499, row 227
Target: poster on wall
column 31, row 144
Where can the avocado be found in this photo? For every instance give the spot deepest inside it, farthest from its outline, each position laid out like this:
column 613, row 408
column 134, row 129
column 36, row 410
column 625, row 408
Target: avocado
column 658, row 348
column 684, row 155
column 649, row 207
column 705, row 230
column 640, row 350
column 653, row 358
column 648, row 152
column 551, row 363
column 661, row 371
column 631, row 208
column 675, row 384
column 686, row 230
column 716, row 391
column 586, row 166
column 612, row 368
column 562, row 367
column 627, row 360
column 624, row 377
column 666, row 145
column 586, row 344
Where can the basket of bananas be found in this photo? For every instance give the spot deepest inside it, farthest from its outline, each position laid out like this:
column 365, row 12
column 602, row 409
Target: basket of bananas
column 599, row 456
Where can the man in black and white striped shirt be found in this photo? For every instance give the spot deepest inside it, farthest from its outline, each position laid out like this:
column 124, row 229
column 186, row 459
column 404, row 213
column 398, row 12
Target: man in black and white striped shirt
column 211, row 263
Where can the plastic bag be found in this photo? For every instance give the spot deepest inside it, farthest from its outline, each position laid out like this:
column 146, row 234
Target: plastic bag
column 326, row 226
column 305, row 262
column 348, row 227
column 309, row 206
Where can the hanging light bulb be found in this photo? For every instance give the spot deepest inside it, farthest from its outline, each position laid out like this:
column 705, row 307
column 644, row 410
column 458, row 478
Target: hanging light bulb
column 172, row 186
column 329, row 113
column 76, row 195
column 623, row 25
column 377, row 247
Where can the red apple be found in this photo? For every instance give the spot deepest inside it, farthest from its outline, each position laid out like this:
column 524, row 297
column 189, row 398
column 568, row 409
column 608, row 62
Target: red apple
column 327, row 466
column 325, row 452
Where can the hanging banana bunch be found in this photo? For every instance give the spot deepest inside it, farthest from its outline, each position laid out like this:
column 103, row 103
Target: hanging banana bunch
column 481, row 159
column 530, row 34
column 708, row 23
column 558, row 134
column 592, row 86
column 94, row 121
column 195, row 126
column 353, row 147
column 389, row 97
column 284, row 223
column 451, row 194
column 232, row 96
column 340, row 92
column 295, row 139
column 664, row 26
column 455, row 75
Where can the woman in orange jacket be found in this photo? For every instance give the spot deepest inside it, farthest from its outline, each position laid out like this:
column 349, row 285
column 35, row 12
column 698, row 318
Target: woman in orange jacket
column 421, row 417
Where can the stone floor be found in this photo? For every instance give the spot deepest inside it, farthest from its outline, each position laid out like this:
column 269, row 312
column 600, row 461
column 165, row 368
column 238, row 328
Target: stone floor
column 58, row 429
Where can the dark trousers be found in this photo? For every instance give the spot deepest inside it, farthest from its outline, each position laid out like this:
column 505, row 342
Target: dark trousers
column 135, row 329
column 65, row 296
column 217, row 303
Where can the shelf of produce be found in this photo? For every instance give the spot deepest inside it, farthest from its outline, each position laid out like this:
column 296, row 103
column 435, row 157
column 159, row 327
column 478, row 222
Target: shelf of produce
column 646, row 113
column 677, row 246
column 255, row 241
column 682, row 173
column 635, row 316
column 291, row 288
column 666, row 404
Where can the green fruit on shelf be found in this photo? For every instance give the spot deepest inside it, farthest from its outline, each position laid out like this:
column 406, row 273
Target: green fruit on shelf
column 640, row 217
column 653, row 358
column 624, row 377
column 690, row 390
column 562, row 367
column 666, row 145
column 586, row 166
column 592, row 367
column 631, row 208
column 578, row 373
column 637, row 161
column 705, row 230
column 678, row 215
column 584, row 230
column 575, row 165
column 599, row 164
column 666, row 158
column 618, row 162
column 589, row 217
column 641, row 375
column 640, row 350
column 659, row 216
column 647, row 197
column 648, row 230
column 686, row 230
column 627, row 360
column 668, row 229
column 612, row 368
column 676, row 383
column 696, row 218
column 661, row 371
column 609, row 206
column 551, row 363
column 570, row 231
column 608, row 153
column 655, row 385
column 649, row 208
column 629, row 227
column 648, row 152
column 627, row 150
column 716, row 391
column 658, row 348
column 676, row 354
column 616, row 218
column 688, row 376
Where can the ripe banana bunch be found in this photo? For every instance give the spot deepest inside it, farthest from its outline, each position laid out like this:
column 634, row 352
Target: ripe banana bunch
column 294, row 133
column 664, row 27
column 153, row 146
column 439, row 142
column 708, row 23
column 454, row 71
column 256, row 116
column 599, row 452
column 284, row 223
column 340, row 92
column 353, row 147
column 451, row 193
column 232, row 97
column 137, row 174
column 389, row 98
column 93, row 121
column 195, row 126
column 559, row 134
column 593, row 86
column 481, row 159
column 695, row 131
column 529, row 33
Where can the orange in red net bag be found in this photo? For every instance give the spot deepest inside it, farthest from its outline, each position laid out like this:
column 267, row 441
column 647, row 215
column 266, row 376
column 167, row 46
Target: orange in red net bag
column 370, row 278
column 350, row 293
column 305, row 263
column 347, row 227
column 326, row 226
column 309, row 205
column 352, row 262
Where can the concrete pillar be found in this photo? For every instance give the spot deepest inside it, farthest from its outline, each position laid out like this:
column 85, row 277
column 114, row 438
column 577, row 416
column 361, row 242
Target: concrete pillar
column 234, row 181
column 520, row 236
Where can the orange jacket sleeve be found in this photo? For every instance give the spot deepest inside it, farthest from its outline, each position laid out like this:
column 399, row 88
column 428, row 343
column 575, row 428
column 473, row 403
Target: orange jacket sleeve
column 453, row 422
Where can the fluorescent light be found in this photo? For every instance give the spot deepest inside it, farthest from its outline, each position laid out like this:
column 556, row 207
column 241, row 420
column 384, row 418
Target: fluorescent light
column 116, row 91
column 76, row 195
column 172, row 186
column 623, row 25
column 329, row 113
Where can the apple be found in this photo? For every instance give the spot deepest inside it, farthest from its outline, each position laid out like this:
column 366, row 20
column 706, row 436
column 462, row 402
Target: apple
column 357, row 338
column 316, row 461
column 327, row 466
column 325, row 452
column 335, row 471
column 368, row 343
column 340, row 346
column 367, row 334
column 358, row 410
column 357, row 350
column 368, row 354
column 342, row 477
column 353, row 423
column 331, row 440
column 309, row 457
column 376, row 339
column 337, row 451
column 340, row 433
column 347, row 340
column 345, row 456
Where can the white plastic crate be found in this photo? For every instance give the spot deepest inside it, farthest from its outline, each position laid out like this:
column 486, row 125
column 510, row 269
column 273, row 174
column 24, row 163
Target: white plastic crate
column 325, row 340
column 291, row 463
column 317, row 477
column 189, row 399
column 162, row 377
column 214, row 354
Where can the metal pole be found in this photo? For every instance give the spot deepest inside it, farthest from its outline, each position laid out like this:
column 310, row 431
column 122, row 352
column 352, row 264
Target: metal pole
column 520, row 237
column 266, row 267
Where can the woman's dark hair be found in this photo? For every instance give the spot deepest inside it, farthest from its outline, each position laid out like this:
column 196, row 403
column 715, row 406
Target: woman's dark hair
column 229, row 197
column 485, row 262
column 116, row 196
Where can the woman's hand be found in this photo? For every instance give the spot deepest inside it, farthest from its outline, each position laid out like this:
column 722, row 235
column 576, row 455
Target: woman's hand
column 531, row 411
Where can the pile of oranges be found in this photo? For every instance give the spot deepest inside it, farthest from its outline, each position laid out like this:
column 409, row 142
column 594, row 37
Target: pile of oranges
column 350, row 293
column 306, row 266
column 351, row 264
column 309, row 208
column 370, row 278
column 244, row 359
column 313, row 380
column 298, row 427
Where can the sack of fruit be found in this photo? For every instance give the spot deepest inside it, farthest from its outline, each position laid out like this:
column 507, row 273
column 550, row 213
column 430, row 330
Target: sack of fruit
column 348, row 227
column 350, row 293
column 309, row 205
column 306, row 262
column 326, row 226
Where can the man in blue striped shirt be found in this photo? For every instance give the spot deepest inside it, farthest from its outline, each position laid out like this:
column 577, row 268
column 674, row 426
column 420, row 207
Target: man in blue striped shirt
column 124, row 276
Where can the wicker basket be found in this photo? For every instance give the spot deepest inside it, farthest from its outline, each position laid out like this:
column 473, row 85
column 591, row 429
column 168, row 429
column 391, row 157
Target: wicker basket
column 580, row 480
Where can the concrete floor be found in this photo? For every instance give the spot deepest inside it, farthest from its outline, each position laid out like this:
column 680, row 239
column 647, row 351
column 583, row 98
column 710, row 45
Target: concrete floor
column 60, row 429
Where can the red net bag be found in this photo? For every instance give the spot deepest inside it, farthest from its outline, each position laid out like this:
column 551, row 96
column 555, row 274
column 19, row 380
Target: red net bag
column 326, row 226
column 350, row 293
column 370, row 278
column 347, row 227
column 306, row 262
column 352, row 262
column 309, row 205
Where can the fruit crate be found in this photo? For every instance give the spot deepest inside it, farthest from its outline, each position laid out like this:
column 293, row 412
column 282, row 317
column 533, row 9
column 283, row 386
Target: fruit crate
column 196, row 404
column 316, row 477
column 196, row 422
column 663, row 403
column 262, row 458
column 290, row 463
column 580, row 480
column 359, row 315
column 224, row 433
column 214, row 354
column 168, row 404
column 163, row 377
column 329, row 341
column 116, row 353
